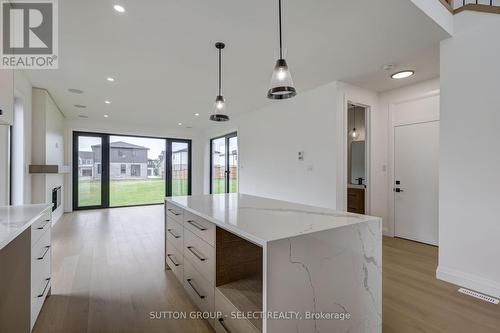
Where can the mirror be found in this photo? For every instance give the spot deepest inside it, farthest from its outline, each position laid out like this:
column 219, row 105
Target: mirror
column 358, row 162
column 356, row 123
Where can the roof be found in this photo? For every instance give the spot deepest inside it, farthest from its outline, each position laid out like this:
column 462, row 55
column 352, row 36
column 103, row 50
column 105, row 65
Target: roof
column 123, row 145
column 86, row 155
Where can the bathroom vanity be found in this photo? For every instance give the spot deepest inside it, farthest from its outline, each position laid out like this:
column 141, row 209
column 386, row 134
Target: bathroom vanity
column 25, row 264
column 262, row 265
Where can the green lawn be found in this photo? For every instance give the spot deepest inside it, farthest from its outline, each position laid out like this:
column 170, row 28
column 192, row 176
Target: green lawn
column 218, row 186
column 128, row 192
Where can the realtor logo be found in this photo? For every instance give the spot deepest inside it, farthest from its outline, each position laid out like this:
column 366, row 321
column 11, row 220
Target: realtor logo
column 29, row 38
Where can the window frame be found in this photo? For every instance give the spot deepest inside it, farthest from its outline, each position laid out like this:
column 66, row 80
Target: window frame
column 105, row 176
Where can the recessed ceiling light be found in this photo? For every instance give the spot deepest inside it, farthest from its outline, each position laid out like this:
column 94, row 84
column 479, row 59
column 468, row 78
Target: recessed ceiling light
column 80, row 106
column 196, row 114
column 180, row 124
column 107, row 102
column 119, row 8
column 75, row 91
column 110, row 79
column 106, row 116
column 402, row 74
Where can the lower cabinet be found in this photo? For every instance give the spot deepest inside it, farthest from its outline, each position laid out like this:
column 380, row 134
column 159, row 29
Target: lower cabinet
column 25, row 275
column 41, row 258
column 191, row 251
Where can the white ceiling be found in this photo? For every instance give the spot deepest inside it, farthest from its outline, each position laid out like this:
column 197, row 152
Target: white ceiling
column 162, row 54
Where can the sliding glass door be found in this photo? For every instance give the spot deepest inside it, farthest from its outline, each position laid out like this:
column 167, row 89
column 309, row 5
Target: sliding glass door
column 118, row 171
column 180, row 157
column 89, row 177
column 135, row 170
column 224, row 164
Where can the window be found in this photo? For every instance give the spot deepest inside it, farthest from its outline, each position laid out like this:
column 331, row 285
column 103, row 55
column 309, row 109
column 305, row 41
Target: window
column 129, row 170
column 224, row 164
column 135, row 170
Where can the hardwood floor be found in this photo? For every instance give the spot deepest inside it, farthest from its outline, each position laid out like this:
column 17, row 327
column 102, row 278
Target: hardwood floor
column 108, row 275
column 415, row 301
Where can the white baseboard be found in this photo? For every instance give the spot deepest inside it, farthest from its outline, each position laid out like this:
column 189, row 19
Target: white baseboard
column 470, row 281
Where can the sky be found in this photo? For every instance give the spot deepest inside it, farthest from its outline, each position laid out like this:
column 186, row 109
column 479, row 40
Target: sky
column 156, row 146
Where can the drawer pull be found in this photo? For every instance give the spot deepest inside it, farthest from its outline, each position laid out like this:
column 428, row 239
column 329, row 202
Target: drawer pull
column 47, row 248
column 44, row 289
column 43, row 226
column 196, row 225
column 194, row 288
column 196, row 254
column 173, row 212
column 221, row 321
column 171, row 257
column 175, row 236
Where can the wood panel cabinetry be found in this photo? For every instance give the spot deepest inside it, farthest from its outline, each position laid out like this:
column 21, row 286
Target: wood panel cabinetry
column 356, row 200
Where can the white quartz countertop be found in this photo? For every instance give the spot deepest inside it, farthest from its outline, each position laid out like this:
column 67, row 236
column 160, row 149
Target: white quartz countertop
column 16, row 219
column 262, row 220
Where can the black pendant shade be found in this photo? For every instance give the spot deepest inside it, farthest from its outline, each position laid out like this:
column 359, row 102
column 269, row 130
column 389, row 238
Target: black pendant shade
column 281, row 86
column 219, row 113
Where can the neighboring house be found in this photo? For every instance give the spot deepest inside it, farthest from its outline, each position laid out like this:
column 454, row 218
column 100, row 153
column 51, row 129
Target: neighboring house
column 127, row 161
column 85, row 164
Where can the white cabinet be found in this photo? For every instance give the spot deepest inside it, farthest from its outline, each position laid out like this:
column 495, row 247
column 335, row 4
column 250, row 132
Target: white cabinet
column 41, row 255
column 6, row 96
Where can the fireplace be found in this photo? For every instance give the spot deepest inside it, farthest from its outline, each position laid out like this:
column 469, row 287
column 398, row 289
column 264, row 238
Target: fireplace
column 56, row 198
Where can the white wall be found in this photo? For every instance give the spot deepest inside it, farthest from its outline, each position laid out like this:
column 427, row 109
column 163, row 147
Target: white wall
column 314, row 122
column 23, row 91
column 114, row 126
column 405, row 105
column 469, row 225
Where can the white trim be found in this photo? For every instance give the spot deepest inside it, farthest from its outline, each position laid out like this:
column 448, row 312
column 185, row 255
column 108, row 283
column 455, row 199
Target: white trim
column 343, row 155
column 467, row 280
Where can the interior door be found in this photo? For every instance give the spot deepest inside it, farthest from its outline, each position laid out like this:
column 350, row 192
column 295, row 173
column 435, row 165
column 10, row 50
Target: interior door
column 416, row 190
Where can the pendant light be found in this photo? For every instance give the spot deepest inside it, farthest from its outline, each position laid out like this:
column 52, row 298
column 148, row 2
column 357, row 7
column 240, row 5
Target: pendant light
column 281, row 86
column 219, row 113
column 354, row 133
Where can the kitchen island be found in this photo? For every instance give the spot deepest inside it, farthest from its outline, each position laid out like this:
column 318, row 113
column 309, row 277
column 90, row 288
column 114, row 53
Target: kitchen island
column 262, row 265
column 25, row 264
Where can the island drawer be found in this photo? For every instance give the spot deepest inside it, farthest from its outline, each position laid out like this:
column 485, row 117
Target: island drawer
column 39, row 227
column 200, row 254
column 227, row 323
column 41, row 247
column 200, row 227
column 198, row 288
column 175, row 234
column 175, row 260
column 40, row 283
column 174, row 212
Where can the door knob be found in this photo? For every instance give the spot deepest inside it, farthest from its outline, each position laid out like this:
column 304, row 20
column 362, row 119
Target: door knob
column 398, row 190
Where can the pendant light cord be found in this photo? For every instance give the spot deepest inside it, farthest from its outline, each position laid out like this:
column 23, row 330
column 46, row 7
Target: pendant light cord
column 281, row 34
column 220, row 71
